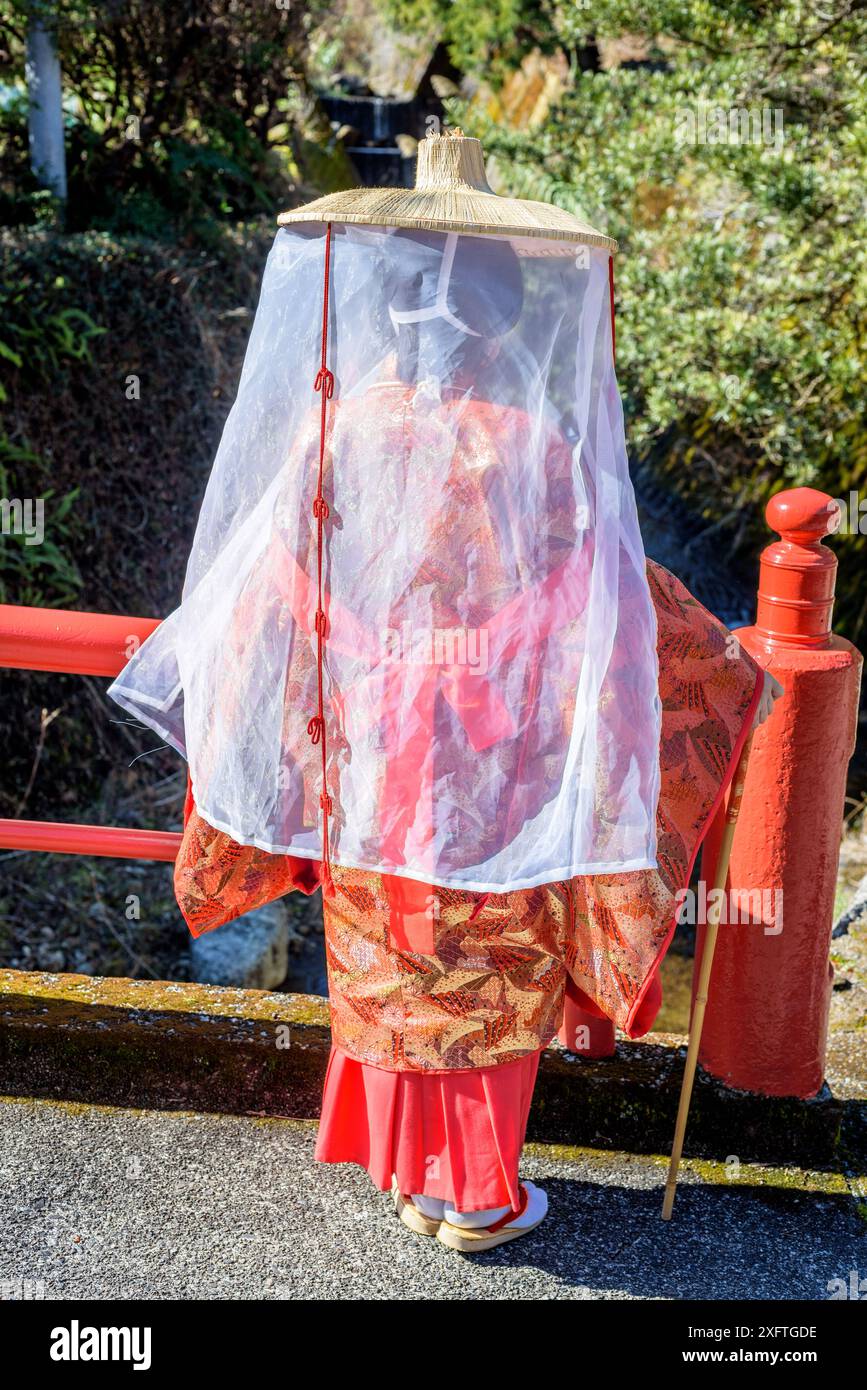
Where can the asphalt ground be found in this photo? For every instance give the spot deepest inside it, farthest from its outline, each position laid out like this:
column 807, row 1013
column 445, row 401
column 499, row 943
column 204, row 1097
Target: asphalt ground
column 102, row 1203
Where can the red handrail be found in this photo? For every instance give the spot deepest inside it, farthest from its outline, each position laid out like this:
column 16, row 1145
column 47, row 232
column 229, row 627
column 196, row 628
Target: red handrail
column 78, row 644
column 108, row 841
column 83, row 644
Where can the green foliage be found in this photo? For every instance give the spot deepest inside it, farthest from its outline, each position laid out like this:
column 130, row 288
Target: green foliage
column 43, row 575
column 41, row 336
column 170, row 107
column 81, row 316
column 38, row 334
column 742, row 279
column 122, row 477
column 485, row 40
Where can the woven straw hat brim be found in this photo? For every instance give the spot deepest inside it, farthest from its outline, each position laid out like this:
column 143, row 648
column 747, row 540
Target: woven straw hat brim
column 468, row 211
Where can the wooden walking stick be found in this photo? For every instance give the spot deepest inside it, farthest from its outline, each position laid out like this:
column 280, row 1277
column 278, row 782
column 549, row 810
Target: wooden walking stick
column 697, row 1019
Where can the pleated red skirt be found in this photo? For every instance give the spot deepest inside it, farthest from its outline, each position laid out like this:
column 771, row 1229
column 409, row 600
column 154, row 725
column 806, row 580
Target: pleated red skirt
column 456, row 1135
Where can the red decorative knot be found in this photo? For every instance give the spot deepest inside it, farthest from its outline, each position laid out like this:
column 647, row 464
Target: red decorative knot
column 320, row 509
column 315, row 727
column 321, row 624
column 325, row 382
column 326, row 803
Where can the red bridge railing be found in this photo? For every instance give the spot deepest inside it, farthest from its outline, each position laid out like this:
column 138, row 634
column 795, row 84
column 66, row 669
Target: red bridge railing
column 81, row 644
column 767, row 1018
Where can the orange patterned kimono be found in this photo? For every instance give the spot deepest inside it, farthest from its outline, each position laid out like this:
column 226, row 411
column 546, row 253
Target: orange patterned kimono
column 438, row 979
column 443, row 998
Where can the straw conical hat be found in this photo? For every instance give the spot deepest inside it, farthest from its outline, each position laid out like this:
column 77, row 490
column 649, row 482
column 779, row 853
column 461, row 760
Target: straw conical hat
column 451, row 194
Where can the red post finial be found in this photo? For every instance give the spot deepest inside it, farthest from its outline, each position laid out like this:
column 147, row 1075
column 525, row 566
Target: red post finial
column 796, row 585
column 804, row 515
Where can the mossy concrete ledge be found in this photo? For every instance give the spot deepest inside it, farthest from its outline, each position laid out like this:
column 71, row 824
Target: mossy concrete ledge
column 629, row 1102
column 152, row 1044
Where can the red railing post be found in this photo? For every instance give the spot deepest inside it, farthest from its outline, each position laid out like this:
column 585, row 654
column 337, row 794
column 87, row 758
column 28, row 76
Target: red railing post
column 765, row 1028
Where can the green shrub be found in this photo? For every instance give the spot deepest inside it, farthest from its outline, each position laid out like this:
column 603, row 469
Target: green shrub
column 742, row 293
column 40, row 336
column 172, row 108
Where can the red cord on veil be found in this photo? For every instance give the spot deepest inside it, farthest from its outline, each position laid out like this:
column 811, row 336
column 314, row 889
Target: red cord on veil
column 316, row 726
column 611, row 291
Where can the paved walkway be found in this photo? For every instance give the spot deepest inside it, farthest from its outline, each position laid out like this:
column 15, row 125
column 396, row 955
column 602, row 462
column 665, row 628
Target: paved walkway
column 118, row 1204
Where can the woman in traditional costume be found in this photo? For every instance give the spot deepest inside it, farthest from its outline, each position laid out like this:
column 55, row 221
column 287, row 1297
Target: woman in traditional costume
column 422, row 662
